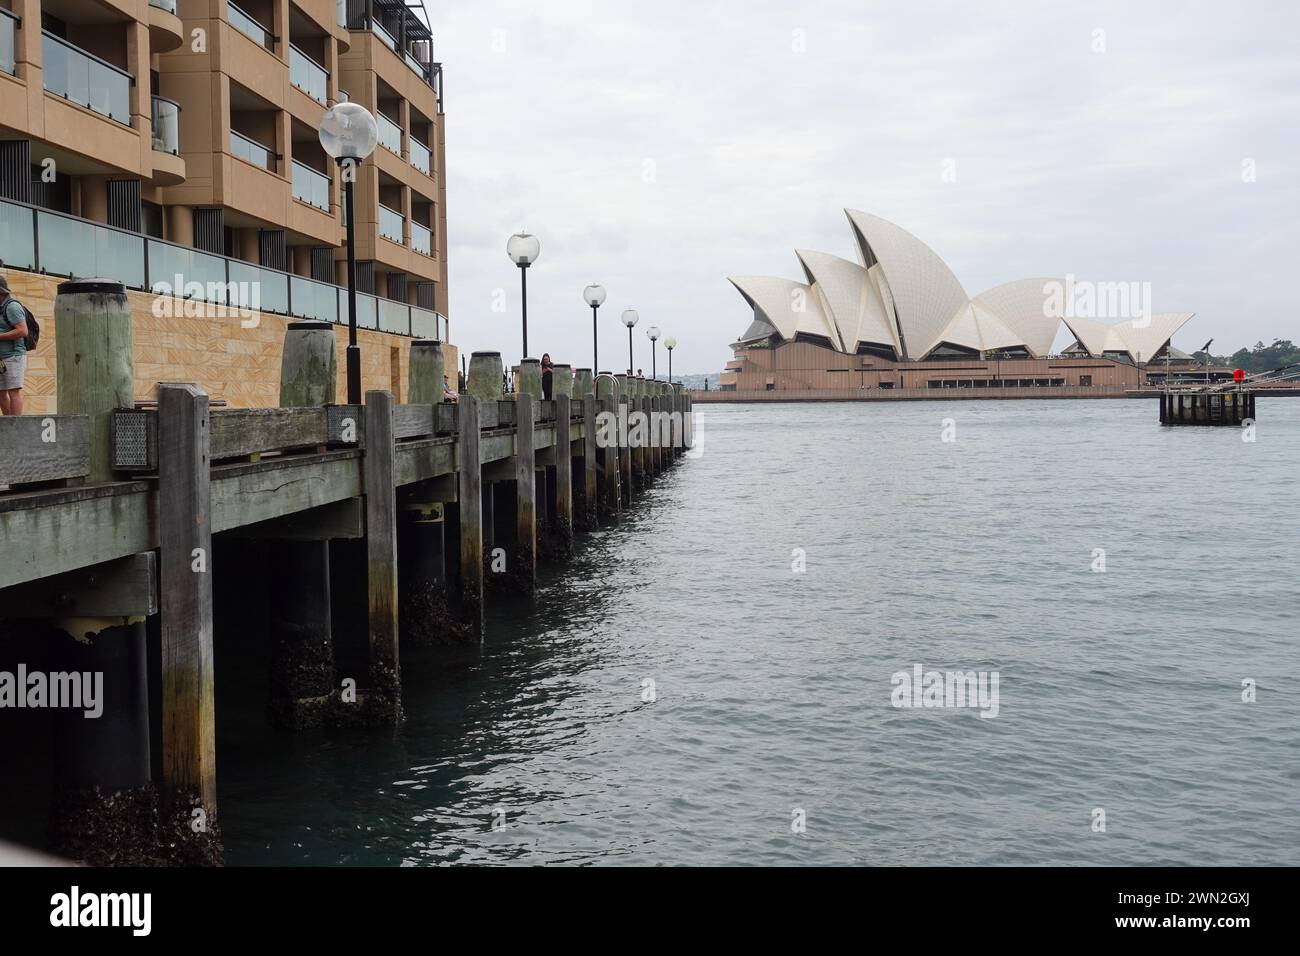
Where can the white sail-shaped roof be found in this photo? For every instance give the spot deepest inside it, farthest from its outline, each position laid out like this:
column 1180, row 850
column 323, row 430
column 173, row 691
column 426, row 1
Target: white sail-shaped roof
column 1141, row 339
column 789, row 307
column 903, row 297
column 925, row 292
column 851, row 300
column 1023, row 307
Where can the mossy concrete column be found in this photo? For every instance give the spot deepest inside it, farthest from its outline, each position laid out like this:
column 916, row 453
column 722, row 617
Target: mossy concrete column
column 485, row 376
column 530, row 379
column 93, row 350
column 308, row 366
column 301, row 629
column 425, row 372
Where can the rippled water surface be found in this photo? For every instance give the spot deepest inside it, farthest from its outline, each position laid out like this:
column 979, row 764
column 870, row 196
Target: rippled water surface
column 1118, row 690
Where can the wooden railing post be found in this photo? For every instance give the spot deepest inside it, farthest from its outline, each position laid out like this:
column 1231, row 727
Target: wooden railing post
column 381, row 554
column 185, row 559
column 561, row 525
column 525, row 570
column 590, row 509
column 469, row 499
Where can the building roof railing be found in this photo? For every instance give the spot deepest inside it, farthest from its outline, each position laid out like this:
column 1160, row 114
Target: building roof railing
column 35, row 239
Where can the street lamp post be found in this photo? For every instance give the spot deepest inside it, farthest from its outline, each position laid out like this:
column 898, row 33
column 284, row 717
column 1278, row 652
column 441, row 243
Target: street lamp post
column 348, row 133
column 594, row 295
column 670, row 343
column 630, row 318
column 653, row 333
column 523, row 251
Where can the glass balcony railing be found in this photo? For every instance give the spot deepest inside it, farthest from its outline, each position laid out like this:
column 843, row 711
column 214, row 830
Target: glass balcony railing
column 341, row 13
column 168, row 5
column 421, row 238
column 246, row 25
column 390, row 134
column 311, row 186
column 421, row 157
column 8, row 24
column 306, row 74
column 251, row 151
column 391, row 224
column 166, row 125
column 384, row 35
column 85, row 79
column 40, row 240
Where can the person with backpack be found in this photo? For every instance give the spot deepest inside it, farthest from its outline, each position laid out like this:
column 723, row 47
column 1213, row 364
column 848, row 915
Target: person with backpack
column 18, row 333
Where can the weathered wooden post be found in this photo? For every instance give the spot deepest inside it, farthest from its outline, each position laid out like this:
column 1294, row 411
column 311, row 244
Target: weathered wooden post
column 302, row 647
column 524, row 573
column 623, row 398
column 384, row 700
column 94, row 338
column 583, row 383
column 485, row 376
column 606, row 434
column 469, row 502
column 561, row 524
column 425, row 372
column 185, row 566
column 588, row 508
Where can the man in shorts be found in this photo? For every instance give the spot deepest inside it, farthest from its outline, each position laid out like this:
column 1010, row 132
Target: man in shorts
column 13, row 351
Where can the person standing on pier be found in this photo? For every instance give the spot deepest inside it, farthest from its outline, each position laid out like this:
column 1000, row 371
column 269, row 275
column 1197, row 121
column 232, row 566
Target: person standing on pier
column 13, row 351
column 548, row 375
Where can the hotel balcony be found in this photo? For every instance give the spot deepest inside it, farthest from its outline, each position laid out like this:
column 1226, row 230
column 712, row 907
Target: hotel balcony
column 41, row 240
column 166, row 31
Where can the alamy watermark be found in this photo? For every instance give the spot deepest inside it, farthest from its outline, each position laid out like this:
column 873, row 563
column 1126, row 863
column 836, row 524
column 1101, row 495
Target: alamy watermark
column 1081, row 299
column 946, row 689
column 208, row 300
column 73, row 690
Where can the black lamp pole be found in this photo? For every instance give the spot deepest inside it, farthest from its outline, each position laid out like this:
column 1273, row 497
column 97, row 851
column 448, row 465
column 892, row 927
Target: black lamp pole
column 595, row 340
column 670, row 366
column 630, row 367
column 654, row 351
column 348, row 167
column 523, row 284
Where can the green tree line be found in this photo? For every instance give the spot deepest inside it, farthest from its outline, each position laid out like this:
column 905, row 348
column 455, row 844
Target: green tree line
column 1259, row 358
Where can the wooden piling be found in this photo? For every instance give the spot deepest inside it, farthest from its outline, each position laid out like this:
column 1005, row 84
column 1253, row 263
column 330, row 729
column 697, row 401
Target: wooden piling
column 589, row 512
column 384, row 699
column 611, row 497
column 530, row 379
column 185, row 565
column 308, row 365
column 485, row 376
column 525, row 570
column 469, row 497
column 561, row 524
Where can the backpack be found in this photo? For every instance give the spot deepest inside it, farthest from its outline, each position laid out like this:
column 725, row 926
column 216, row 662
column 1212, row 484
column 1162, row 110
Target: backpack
column 33, row 327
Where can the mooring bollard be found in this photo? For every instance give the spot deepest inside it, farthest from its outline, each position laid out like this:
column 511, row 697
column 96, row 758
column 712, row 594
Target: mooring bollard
column 584, row 383
column 94, row 356
column 485, row 376
column 308, row 365
column 425, row 372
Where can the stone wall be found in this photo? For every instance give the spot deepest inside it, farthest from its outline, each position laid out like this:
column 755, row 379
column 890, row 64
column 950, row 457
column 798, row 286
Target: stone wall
column 238, row 365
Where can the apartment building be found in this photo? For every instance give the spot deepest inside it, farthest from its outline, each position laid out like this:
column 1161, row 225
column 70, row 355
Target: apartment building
column 147, row 140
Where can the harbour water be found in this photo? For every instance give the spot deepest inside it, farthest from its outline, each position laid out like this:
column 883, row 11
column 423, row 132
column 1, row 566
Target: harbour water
column 1119, row 690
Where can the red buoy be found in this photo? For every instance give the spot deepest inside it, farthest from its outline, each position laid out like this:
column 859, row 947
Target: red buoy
column 1238, row 375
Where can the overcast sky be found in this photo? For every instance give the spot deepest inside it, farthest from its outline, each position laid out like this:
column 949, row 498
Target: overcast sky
column 659, row 147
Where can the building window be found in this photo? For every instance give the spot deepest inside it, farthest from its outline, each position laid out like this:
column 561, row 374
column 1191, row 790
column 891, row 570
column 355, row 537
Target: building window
column 1085, row 379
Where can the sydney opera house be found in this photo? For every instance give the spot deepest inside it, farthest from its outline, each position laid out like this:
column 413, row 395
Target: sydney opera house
column 898, row 319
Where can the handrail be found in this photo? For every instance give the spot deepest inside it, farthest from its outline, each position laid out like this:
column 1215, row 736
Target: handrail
column 12, row 16
column 307, row 56
column 87, row 54
column 226, row 260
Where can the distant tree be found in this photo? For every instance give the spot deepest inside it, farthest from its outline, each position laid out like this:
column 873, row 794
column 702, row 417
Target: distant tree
column 1260, row 358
